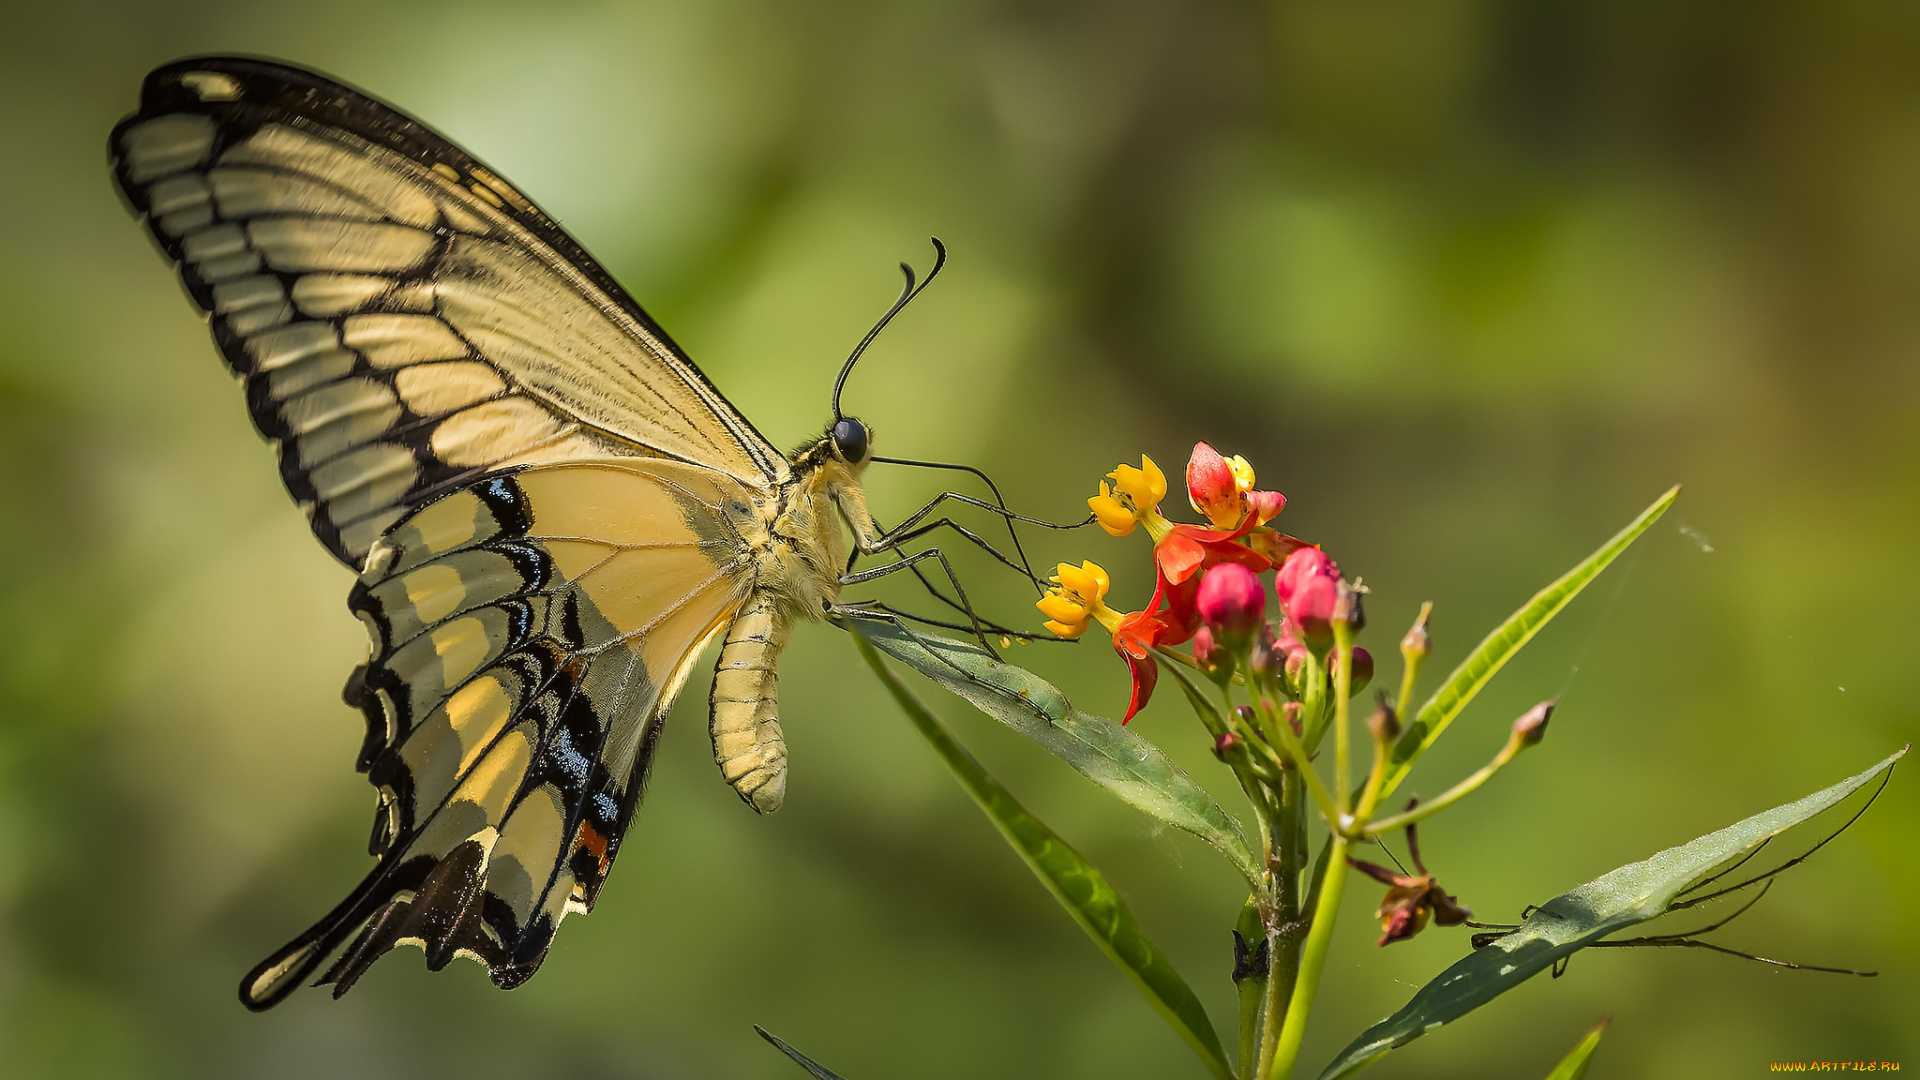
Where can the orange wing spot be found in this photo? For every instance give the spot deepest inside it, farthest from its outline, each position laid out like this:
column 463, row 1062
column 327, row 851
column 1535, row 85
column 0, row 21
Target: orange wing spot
column 591, row 841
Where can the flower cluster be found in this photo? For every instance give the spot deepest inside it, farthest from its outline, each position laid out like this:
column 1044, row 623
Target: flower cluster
column 1205, row 577
column 1285, row 641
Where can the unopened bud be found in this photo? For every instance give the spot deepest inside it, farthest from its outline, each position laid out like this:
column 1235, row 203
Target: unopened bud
column 1384, row 725
column 1229, row 746
column 1231, row 601
column 1532, row 725
column 1260, row 656
column 1212, row 658
column 1362, row 671
column 1417, row 644
column 1296, row 670
column 1291, row 713
column 1347, row 607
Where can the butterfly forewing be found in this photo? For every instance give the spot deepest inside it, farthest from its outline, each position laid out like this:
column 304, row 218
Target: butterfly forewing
column 403, row 320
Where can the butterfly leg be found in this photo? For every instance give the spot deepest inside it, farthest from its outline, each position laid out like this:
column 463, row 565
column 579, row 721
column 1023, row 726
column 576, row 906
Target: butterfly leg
column 880, row 541
column 904, row 535
column 912, row 527
column 911, row 562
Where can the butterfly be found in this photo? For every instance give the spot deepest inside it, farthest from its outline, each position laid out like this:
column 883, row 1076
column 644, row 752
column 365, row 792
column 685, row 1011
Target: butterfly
column 550, row 509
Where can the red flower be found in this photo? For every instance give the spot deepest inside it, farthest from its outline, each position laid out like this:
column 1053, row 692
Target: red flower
column 1221, row 488
column 1134, row 639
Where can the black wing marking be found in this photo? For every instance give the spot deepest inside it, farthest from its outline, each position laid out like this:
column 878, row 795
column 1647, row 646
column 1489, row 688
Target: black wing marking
column 520, row 677
column 403, row 320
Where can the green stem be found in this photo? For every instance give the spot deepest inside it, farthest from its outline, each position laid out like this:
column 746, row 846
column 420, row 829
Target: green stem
column 1370, row 793
column 1283, row 939
column 1313, row 702
column 1342, row 741
column 1313, row 959
column 1447, row 798
column 1411, row 662
column 1278, row 726
column 1252, row 931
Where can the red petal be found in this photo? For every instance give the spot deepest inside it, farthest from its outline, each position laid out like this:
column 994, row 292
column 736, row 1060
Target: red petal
column 1181, row 554
column 1275, row 545
column 1265, row 505
column 1178, row 608
column 1145, row 673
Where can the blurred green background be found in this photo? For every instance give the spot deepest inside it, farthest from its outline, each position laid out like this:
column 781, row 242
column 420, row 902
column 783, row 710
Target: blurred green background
column 1471, row 281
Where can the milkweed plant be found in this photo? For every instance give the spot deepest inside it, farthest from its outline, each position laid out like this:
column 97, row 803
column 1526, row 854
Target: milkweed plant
column 1261, row 632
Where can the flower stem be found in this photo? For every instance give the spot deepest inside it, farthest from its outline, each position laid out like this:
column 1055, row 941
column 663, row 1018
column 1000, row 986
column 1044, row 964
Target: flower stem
column 1447, row 798
column 1272, row 721
column 1253, row 986
column 1370, row 793
column 1413, row 658
column 1342, row 687
column 1313, row 959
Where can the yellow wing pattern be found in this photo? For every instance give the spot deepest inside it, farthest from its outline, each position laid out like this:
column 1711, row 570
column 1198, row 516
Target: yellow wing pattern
column 404, row 321
column 530, row 633
column 542, row 496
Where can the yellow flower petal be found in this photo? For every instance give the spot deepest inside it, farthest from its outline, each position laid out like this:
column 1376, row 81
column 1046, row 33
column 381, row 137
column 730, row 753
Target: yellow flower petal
column 1099, row 575
column 1146, row 485
column 1242, row 472
column 1066, row 631
column 1114, row 516
column 1061, row 608
column 1086, row 582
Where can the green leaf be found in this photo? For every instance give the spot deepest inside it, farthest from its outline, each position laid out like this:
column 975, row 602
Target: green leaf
column 1479, row 667
column 1573, row 920
column 1574, row 1065
column 819, row 1071
column 1073, row 881
column 1107, row 753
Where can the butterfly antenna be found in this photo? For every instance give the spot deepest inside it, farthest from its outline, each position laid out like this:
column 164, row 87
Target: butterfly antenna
column 906, row 297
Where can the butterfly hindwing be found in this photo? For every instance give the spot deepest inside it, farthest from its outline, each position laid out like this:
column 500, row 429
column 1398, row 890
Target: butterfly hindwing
column 403, row 320
column 529, row 633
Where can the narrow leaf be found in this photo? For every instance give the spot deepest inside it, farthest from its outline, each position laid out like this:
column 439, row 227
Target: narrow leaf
column 1109, row 754
column 819, row 1071
column 1574, row 1065
column 1480, row 666
column 1074, row 882
column 1573, row 920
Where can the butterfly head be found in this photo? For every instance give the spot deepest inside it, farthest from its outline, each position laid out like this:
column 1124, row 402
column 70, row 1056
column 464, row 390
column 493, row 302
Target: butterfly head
column 851, row 441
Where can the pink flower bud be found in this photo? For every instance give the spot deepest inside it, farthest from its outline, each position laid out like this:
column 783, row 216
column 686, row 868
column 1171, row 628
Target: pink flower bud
column 1419, row 640
column 1532, row 725
column 1308, row 585
column 1231, row 602
column 1214, row 659
column 1228, row 746
column 1203, row 648
column 1291, row 711
column 1362, row 670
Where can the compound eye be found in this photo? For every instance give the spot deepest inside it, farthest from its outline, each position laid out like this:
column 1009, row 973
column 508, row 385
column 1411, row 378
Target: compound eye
column 850, row 440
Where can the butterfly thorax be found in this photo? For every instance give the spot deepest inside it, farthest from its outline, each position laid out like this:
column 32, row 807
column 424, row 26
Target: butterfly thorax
column 804, row 549
column 797, row 550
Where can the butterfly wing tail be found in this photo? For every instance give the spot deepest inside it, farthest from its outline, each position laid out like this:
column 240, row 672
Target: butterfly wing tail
column 282, row 973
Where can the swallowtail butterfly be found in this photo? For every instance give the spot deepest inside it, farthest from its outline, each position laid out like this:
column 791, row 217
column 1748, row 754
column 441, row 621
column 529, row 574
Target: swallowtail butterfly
column 550, row 510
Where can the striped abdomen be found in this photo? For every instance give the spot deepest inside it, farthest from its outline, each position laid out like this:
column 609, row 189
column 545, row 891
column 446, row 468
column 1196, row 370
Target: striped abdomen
column 744, row 712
